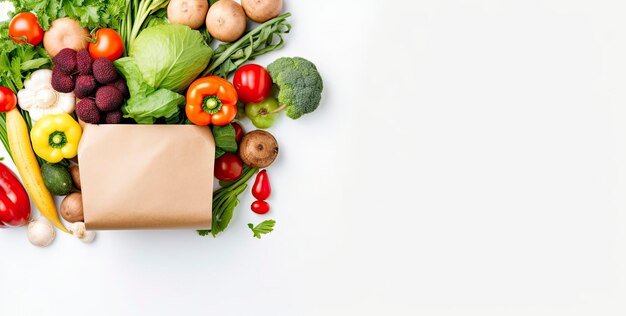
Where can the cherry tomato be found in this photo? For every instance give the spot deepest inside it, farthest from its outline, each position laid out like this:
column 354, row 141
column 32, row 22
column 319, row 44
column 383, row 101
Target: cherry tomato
column 228, row 167
column 253, row 83
column 106, row 44
column 261, row 188
column 260, row 207
column 238, row 132
column 25, row 26
column 8, row 100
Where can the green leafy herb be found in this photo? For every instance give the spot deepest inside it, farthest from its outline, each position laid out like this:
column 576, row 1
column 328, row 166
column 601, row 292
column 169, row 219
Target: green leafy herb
column 225, row 138
column 262, row 228
column 90, row 13
column 17, row 61
column 229, row 56
column 138, row 16
column 224, row 202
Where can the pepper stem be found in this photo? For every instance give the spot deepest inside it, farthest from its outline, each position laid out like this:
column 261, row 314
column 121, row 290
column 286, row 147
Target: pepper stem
column 57, row 140
column 211, row 104
column 282, row 107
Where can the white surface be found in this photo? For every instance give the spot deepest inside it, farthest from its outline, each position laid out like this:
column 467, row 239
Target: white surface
column 469, row 158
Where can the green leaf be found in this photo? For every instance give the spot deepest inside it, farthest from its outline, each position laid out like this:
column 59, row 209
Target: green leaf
column 146, row 104
column 262, row 228
column 204, row 232
column 219, row 152
column 226, row 199
column 225, row 138
column 34, row 64
column 145, row 109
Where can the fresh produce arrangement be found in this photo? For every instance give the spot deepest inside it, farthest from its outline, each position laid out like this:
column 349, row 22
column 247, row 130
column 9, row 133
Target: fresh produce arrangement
column 68, row 67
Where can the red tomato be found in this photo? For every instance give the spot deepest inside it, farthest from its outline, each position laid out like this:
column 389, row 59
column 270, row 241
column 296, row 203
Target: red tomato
column 238, row 132
column 8, row 100
column 260, row 207
column 24, row 26
column 106, row 44
column 228, row 167
column 261, row 188
column 253, row 83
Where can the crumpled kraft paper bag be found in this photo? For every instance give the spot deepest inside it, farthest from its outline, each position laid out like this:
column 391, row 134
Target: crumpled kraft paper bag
column 146, row 176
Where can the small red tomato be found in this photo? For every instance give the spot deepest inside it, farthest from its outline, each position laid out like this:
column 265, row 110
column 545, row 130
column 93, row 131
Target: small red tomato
column 8, row 100
column 228, row 167
column 238, row 132
column 261, row 188
column 253, row 83
column 106, row 44
column 24, row 26
column 260, row 207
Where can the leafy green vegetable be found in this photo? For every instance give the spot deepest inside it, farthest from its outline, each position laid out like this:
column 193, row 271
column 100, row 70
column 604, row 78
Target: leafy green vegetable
column 140, row 15
column 146, row 103
column 219, row 152
column 90, row 13
column 299, row 85
column 157, row 18
column 224, row 202
column 170, row 56
column 17, row 61
column 229, row 56
column 264, row 227
column 225, row 138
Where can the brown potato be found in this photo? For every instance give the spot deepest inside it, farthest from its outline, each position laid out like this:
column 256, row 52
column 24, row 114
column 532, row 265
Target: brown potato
column 226, row 21
column 72, row 207
column 75, row 173
column 262, row 10
column 187, row 12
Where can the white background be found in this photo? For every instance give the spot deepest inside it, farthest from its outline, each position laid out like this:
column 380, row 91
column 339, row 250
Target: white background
column 469, row 158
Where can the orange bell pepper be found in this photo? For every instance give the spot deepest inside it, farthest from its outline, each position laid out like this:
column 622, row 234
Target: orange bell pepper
column 211, row 100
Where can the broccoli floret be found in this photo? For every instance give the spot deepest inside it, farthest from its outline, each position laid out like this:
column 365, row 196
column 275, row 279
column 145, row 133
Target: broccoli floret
column 299, row 85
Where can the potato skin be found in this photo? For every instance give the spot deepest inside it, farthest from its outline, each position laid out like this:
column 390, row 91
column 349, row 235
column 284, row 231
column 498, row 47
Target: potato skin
column 72, row 207
column 188, row 12
column 262, row 10
column 226, row 21
column 75, row 173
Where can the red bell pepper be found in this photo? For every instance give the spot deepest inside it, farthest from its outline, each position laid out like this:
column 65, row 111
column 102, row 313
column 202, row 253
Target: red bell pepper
column 14, row 201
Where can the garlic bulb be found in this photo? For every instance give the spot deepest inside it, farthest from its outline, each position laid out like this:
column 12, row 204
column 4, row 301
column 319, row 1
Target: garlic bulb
column 78, row 229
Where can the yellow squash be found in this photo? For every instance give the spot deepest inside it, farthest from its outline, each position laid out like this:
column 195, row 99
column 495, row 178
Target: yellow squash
column 27, row 166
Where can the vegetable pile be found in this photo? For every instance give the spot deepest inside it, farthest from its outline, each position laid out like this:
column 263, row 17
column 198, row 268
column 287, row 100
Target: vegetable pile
column 68, row 63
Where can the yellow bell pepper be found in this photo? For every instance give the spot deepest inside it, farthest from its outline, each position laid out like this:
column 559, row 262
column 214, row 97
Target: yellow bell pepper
column 56, row 136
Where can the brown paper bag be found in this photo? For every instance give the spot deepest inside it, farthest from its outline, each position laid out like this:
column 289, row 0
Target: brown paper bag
column 146, row 176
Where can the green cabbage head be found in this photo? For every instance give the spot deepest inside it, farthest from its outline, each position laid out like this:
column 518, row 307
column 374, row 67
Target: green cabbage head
column 170, row 56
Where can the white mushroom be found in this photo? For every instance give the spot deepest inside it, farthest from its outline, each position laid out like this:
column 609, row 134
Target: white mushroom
column 40, row 233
